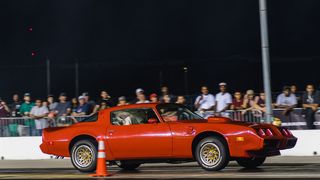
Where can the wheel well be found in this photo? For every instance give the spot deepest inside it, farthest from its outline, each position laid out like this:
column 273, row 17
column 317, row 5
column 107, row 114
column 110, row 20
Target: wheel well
column 202, row 135
column 82, row 137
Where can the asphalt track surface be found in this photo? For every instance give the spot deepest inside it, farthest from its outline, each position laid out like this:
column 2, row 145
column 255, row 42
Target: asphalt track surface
column 274, row 168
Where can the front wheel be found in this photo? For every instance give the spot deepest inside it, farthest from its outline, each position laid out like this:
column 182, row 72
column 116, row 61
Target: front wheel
column 251, row 162
column 127, row 165
column 83, row 155
column 212, row 154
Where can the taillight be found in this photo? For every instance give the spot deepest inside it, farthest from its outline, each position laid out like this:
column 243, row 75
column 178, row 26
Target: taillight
column 286, row 132
column 269, row 132
column 264, row 132
column 261, row 133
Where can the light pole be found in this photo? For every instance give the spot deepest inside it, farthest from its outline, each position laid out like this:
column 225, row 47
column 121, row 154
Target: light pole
column 265, row 58
column 186, row 90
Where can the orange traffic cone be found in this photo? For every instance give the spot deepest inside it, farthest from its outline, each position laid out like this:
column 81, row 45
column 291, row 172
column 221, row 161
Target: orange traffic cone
column 101, row 170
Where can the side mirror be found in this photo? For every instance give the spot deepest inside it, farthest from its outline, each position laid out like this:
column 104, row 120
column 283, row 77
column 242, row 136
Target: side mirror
column 152, row 121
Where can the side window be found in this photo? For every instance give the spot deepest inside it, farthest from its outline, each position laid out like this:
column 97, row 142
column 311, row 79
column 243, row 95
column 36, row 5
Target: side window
column 133, row 117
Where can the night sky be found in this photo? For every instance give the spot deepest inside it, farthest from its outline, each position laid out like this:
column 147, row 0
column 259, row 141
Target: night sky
column 125, row 44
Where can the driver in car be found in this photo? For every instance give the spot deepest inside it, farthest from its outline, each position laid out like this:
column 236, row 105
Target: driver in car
column 124, row 118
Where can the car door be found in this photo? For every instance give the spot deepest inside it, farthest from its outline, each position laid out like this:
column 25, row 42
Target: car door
column 131, row 136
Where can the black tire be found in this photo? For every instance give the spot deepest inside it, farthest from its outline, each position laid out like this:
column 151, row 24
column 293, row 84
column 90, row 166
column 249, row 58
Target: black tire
column 251, row 163
column 89, row 146
column 127, row 165
column 220, row 146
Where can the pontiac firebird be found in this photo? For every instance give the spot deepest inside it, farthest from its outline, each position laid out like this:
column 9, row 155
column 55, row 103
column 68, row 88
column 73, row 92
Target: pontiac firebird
column 169, row 133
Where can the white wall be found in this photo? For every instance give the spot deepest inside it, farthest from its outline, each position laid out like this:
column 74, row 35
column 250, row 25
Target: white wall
column 308, row 143
column 28, row 147
column 21, row 148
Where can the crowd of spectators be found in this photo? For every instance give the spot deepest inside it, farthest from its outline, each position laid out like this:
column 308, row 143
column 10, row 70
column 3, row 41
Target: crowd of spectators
column 206, row 103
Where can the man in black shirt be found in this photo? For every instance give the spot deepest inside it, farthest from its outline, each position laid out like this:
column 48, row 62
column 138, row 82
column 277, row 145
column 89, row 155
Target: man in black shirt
column 310, row 103
column 104, row 102
column 15, row 106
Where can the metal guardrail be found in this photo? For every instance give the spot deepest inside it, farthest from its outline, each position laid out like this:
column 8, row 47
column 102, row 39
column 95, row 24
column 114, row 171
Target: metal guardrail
column 25, row 126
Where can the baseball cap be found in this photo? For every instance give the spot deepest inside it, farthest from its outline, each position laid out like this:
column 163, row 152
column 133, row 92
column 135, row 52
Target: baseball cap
column 27, row 94
column 153, row 95
column 81, row 97
column 222, row 84
column 122, row 98
column 139, row 90
column 85, row 94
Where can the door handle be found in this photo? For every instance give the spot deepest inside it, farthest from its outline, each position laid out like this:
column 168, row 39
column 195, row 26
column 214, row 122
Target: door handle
column 190, row 130
column 110, row 132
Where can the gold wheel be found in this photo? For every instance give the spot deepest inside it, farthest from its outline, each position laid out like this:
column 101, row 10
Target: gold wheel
column 210, row 154
column 83, row 156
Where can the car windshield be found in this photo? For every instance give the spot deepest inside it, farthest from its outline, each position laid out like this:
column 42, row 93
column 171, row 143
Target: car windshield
column 176, row 112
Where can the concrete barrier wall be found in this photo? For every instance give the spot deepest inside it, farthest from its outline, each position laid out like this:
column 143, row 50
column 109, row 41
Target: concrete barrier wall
column 308, row 143
column 28, row 147
column 21, row 148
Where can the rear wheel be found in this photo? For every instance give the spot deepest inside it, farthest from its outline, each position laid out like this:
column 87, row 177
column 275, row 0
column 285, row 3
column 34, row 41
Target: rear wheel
column 212, row 154
column 251, row 162
column 83, row 155
column 127, row 165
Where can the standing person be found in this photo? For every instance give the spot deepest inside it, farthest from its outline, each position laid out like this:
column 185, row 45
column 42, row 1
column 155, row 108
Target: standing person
column 248, row 100
column 4, row 109
column 51, row 102
column 38, row 113
column 310, row 104
column 165, row 92
column 154, row 98
column 166, row 99
column 122, row 101
column 139, row 91
column 83, row 107
column 26, row 106
column 4, row 124
column 74, row 104
column 260, row 102
column 88, row 101
column 237, row 102
column 181, row 100
column 223, row 99
column 286, row 100
column 15, row 106
column 142, row 99
column 105, row 101
column 294, row 90
column 205, row 102
column 63, row 108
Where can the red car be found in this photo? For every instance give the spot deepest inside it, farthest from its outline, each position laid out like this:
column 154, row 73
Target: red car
column 143, row 133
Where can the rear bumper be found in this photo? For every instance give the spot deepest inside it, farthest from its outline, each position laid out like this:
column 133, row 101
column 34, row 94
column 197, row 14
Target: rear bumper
column 289, row 143
column 272, row 147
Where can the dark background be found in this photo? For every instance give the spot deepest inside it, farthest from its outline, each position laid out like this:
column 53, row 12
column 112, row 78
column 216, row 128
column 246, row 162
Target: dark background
column 125, row 44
